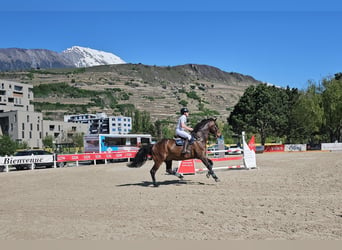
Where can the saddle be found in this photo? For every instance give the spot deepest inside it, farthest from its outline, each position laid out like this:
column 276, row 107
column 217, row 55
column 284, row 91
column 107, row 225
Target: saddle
column 180, row 140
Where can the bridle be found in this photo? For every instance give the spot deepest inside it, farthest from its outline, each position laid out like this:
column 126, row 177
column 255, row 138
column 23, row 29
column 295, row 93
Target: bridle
column 216, row 131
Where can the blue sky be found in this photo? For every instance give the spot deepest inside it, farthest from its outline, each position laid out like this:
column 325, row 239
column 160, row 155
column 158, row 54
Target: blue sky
column 285, row 43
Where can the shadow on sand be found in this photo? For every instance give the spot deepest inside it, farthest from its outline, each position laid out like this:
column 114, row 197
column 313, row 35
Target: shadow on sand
column 164, row 183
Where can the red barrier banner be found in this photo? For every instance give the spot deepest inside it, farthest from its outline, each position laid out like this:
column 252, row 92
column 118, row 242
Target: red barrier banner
column 234, row 158
column 118, row 155
column 274, row 148
column 97, row 156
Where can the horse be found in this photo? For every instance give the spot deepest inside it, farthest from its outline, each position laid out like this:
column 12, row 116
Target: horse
column 166, row 150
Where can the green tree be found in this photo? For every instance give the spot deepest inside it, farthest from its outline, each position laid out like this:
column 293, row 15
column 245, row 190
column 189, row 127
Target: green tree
column 158, row 129
column 142, row 123
column 332, row 105
column 262, row 109
column 291, row 102
column 48, row 141
column 307, row 116
column 7, row 145
column 77, row 140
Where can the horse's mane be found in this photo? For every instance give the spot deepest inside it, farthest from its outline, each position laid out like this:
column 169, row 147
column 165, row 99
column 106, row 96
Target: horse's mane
column 201, row 124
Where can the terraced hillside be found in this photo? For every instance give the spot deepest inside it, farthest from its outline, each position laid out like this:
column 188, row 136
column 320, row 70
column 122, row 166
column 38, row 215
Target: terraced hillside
column 162, row 91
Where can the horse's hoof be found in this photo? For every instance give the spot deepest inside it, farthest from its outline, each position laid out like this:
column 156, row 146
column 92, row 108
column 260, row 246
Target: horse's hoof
column 208, row 175
column 217, row 180
column 180, row 176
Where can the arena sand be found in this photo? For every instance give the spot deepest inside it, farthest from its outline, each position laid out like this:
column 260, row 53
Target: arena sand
column 291, row 196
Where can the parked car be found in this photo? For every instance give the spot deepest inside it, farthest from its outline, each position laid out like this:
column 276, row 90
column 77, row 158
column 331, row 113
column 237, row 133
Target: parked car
column 33, row 152
column 235, row 150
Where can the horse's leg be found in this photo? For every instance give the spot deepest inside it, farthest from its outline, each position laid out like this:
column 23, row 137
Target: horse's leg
column 209, row 164
column 170, row 171
column 169, row 167
column 153, row 172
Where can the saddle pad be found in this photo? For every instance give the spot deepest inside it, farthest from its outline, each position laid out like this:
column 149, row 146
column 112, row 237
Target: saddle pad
column 179, row 142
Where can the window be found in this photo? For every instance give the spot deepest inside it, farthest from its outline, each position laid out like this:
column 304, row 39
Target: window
column 109, row 141
column 134, row 141
column 23, row 127
column 28, row 118
column 18, row 88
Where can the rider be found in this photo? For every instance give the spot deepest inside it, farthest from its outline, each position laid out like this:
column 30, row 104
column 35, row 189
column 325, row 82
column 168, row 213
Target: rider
column 181, row 127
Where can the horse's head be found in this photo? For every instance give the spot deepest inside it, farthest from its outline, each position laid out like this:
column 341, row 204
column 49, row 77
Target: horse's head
column 214, row 129
column 205, row 127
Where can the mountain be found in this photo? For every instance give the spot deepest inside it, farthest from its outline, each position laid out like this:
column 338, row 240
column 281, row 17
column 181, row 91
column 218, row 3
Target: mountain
column 18, row 59
column 87, row 57
column 13, row 59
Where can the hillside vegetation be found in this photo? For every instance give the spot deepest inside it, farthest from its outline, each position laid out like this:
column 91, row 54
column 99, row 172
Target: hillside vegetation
column 114, row 89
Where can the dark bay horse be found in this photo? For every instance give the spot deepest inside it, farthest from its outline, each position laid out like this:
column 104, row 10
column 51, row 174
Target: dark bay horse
column 166, row 150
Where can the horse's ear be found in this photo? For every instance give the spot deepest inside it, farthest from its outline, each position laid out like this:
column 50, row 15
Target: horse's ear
column 215, row 119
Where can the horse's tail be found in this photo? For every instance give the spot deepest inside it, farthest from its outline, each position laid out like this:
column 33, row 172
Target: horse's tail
column 141, row 157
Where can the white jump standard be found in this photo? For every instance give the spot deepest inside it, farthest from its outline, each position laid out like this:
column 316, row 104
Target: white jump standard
column 248, row 158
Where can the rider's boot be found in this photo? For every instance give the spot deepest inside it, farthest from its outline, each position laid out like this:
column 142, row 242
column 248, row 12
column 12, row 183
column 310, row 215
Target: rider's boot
column 185, row 147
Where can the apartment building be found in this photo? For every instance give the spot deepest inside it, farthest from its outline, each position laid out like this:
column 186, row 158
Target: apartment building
column 17, row 116
column 23, row 126
column 100, row 123
column 15, row 96
column 63, row 131
column 21, row 123
column 120, row 125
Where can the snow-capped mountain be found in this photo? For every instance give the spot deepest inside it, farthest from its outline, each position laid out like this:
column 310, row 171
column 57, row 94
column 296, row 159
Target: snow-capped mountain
column 87, row 57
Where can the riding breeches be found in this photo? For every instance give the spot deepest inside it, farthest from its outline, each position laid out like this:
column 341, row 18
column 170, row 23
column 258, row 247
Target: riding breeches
column 183, row 134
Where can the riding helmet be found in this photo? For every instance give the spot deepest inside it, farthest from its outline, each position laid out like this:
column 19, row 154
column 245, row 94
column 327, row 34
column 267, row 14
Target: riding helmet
column 184, row 110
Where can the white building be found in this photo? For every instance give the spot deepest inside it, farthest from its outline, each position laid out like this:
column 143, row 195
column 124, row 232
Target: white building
column 100, row 123
column 120, row 125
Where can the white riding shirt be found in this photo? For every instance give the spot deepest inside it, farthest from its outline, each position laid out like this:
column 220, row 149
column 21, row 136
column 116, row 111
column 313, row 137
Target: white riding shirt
column 179, row 130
